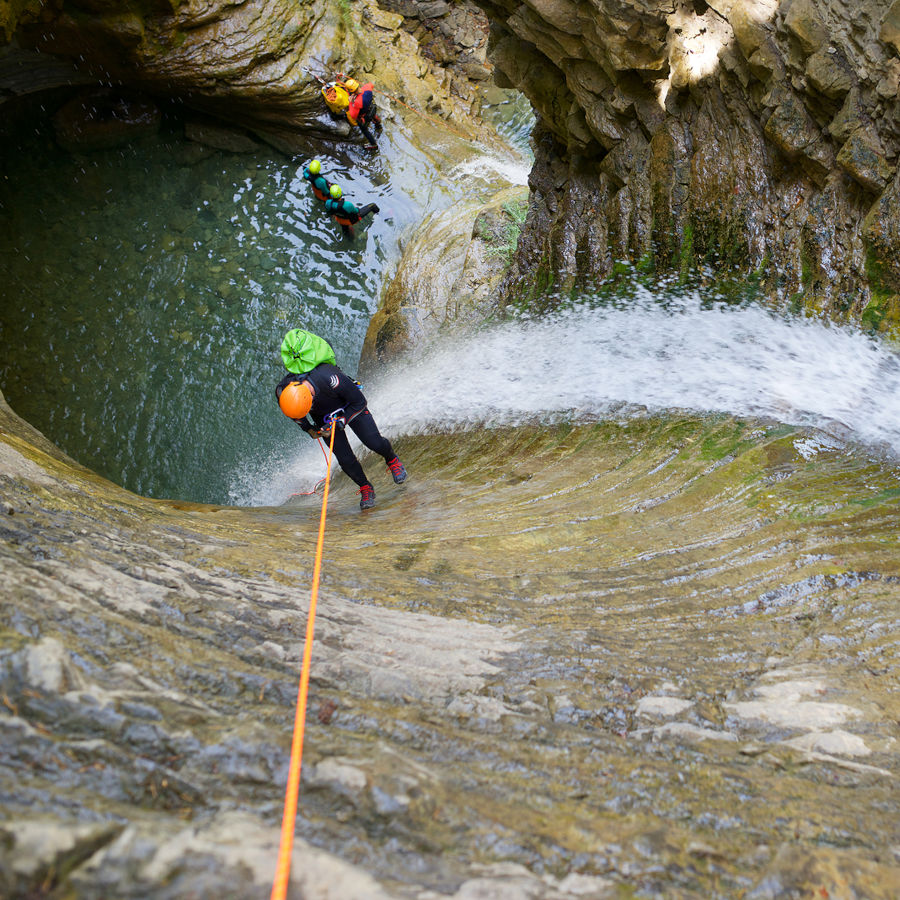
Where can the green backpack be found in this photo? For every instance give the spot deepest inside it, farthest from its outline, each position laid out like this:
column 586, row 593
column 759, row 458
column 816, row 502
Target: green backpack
column 302, row 351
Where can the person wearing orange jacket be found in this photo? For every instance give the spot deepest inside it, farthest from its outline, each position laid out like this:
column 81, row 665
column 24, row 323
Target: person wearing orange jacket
column 363, row 112
column 345, row 213
column 312, row 172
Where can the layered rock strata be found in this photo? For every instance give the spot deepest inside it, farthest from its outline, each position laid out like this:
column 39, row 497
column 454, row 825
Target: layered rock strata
column 257, row 64
column 761, row 134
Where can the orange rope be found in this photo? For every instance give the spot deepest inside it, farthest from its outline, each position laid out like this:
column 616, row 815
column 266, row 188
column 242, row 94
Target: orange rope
column 283, row 869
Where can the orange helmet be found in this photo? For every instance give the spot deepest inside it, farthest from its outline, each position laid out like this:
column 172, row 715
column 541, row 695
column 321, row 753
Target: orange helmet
column 295, row 400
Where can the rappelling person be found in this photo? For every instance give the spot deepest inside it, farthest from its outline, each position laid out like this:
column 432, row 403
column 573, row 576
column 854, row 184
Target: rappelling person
column 334, row 401
column 345, row 213
column 363, row 112
column 312, row 172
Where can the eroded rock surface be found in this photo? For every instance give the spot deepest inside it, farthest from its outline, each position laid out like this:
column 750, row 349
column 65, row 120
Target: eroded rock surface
column 765, row 132
column 519, row 689
column 254, row 63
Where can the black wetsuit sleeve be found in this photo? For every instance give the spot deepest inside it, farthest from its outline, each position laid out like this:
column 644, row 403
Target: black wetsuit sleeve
column 350, row 210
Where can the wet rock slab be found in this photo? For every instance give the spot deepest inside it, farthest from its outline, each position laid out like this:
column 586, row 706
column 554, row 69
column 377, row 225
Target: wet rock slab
column 492, row 713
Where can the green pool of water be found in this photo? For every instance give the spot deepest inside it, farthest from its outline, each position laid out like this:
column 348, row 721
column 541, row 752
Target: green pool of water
column 146, row 291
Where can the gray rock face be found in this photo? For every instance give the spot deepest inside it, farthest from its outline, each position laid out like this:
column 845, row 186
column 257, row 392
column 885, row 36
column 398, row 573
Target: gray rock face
column 754, row 134
column 763, row 132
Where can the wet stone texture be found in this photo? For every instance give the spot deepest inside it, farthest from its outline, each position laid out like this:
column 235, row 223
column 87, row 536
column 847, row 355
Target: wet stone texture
column 780, row 129
column 258, row 65
column 655, row 658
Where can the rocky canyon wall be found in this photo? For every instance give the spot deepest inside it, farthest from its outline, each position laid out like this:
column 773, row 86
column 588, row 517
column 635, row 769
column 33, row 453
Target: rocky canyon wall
column 252, row 63
column 761, row 135
column 758, row 138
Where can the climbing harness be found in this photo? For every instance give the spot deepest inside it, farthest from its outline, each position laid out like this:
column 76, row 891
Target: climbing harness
column 337, row 417
column 288, row 822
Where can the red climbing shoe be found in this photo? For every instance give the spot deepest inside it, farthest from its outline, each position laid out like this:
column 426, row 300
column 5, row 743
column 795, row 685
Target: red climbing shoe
column 397, row 470
column 367, row 498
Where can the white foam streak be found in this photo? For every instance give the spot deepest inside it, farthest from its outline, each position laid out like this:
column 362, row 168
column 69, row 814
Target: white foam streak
column 586, row 363
column 486, row 165
column 589, row 364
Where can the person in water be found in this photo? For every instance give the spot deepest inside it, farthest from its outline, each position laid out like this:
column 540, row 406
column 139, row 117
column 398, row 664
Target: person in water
column 333, row 400
column 345, row 213
column 363, row 112
column 312, row 172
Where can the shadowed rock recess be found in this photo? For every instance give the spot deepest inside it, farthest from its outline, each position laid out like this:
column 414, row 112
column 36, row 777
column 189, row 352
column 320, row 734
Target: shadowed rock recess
column 756, row 133
column 253, row 64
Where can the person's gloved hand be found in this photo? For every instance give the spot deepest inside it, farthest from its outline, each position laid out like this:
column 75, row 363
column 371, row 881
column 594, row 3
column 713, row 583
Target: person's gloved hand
column 339, row 422
column 375, row 208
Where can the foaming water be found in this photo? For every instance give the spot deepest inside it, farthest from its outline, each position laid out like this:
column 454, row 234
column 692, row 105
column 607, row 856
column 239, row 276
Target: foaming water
column 509, row 170
column 512, row 116
column 591, row 364
column 586, row 364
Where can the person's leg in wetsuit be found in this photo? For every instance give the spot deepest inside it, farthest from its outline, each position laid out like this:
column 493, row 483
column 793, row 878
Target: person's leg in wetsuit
column 366, row 430
column 368, row 208
column 347, row 460
column 368, row 134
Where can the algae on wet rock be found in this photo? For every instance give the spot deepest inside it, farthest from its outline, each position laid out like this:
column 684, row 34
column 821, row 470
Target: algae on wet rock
column 511, row 678
column 771, row 102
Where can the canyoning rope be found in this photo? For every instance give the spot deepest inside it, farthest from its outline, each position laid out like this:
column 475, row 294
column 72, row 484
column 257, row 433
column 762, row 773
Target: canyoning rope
column 288, row 822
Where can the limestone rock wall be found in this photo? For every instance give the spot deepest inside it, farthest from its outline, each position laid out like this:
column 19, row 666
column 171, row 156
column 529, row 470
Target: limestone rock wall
column 252, row 63
column 447, row 277
column 764, row 131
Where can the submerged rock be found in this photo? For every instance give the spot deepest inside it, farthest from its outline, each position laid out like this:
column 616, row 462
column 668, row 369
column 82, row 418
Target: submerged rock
column 100, row 120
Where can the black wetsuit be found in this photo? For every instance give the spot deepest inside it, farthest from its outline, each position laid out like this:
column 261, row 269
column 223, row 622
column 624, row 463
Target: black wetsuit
column 337, row 393
column 363, row 110
column 362, row 123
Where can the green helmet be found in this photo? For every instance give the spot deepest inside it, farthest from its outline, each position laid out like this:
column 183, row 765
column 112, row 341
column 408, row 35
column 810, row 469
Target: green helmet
column 315, row 167
column 336, row 192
